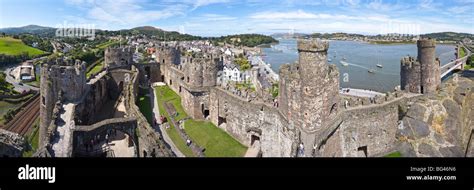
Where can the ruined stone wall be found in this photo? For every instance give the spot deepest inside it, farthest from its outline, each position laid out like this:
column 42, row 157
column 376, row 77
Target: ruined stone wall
column 93, row 101
column 440, row 125
column 242, row 120
column 148, row 139
column 60, row 78
column 364, row 132
column 84, row 134
column 194, row 103
column 118, row 56
column 11, row 144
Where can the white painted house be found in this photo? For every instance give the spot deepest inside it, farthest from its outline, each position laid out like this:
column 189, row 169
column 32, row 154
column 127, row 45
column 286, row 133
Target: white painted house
column 231, row 72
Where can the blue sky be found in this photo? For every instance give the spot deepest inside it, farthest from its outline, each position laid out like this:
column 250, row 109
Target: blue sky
column 221, row 17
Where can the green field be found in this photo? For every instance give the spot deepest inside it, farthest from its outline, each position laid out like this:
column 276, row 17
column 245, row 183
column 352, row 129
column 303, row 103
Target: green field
column 33, row 140
column 462, row 52
column 11, row 46
column 216, row 141
column 107, row 44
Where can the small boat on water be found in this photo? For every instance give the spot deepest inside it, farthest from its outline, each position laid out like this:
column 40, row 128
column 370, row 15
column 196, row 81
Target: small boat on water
column 329, row 60
column 379, row 66
column 371, row 71
column 345, row 64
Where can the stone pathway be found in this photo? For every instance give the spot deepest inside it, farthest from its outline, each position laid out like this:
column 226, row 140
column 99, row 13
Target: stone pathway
column 63, row 139
column 254, row 150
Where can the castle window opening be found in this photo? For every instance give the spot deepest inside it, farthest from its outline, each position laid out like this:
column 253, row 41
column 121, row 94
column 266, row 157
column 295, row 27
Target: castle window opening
column 43, row 100
column 333, row 108
column 221, row 120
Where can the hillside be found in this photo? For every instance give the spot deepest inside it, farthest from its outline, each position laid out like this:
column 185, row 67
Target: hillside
column 11, row 46
column 156, row 33
column 449, row 36
column 249, row 40
column 30, row 29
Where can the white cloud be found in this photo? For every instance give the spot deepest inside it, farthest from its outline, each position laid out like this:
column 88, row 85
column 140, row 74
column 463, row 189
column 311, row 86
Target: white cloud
column 216, row 17
column 126, row 12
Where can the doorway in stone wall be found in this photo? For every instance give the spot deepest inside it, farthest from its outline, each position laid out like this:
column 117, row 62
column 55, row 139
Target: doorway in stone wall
column 253, row 139
column 205, row 112
column 362, row 151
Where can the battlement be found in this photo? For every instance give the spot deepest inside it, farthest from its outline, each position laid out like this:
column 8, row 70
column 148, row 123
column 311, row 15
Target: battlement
column 126, row 49
column 62, row 66
column 313, row 45
column 426, row 43
column 409, row 62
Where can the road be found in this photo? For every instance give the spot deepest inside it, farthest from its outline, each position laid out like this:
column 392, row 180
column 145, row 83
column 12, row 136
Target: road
column 17, row 86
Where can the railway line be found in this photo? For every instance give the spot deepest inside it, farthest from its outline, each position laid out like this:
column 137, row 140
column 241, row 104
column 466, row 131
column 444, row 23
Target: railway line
column 25, row 119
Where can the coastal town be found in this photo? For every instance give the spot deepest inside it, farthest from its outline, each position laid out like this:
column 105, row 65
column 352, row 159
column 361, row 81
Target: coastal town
column 225, row 78
column 139, row 96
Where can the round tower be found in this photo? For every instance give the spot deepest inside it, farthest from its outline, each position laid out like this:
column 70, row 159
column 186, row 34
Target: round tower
column 210, row 67
column 410, row 75
column 319, row 84
column 430, row 68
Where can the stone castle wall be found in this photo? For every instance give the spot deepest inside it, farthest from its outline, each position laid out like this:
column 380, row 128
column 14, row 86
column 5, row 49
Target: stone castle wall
column 242, row 120
column 118, row 56
column 60, row 79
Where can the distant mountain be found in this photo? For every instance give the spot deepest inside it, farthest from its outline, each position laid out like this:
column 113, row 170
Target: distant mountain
column 146, row 28
column 31, row 29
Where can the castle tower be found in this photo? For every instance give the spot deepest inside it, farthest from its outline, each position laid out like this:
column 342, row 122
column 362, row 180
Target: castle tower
column 319, row 82
column 118, row 56
column 60, row 78
column 422, row 75
column 167, row 55
column 201, row 70
column 210, row 68
column 430, row 67
column 410, row 75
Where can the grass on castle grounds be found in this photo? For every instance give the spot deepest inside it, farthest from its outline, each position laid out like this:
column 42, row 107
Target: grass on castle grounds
column 394, row 155
column 165, row 94
column 216, row 141
column 11, row 46
column 145, row 105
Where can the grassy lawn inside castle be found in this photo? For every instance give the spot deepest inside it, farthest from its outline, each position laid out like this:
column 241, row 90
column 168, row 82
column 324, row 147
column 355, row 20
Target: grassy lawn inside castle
column 216, row 141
